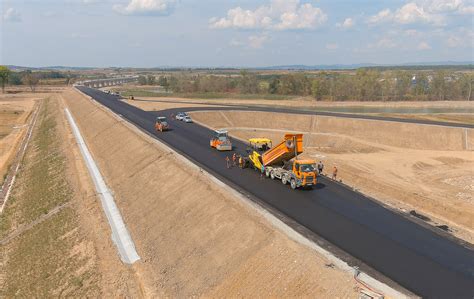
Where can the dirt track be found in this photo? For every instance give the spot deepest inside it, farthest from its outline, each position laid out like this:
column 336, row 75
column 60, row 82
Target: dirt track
column 195, row 240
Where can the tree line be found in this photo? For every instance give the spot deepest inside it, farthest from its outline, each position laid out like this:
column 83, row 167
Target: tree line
column 30, row 78
column 360, row 85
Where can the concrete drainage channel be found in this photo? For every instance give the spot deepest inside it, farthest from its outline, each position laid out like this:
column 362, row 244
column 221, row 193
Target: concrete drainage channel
column 120, row 234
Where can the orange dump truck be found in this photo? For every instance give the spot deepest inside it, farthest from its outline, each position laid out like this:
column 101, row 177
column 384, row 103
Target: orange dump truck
column 278, row 164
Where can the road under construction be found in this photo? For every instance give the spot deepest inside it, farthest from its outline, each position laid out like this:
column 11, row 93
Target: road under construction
column 357, row 229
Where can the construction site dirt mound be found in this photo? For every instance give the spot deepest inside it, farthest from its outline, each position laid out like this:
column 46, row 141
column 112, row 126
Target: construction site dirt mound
column 194, row 238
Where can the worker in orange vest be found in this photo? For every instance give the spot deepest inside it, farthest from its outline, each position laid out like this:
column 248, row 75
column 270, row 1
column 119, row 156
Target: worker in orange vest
column 234, row 159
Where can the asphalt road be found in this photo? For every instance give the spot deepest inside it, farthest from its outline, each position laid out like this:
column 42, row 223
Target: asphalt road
column 415, row 256
column 297, row 110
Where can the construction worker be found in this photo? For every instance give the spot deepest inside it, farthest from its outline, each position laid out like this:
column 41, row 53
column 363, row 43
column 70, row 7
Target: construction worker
column 234, row 159
column 262, row 171
column 241, row 161
column 320, row 167
column 227, row 162
column 334, row 173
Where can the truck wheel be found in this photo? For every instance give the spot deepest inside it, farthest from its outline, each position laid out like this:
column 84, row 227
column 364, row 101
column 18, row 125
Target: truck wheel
column 284, row 180
column 293, row 184
column 272, row 175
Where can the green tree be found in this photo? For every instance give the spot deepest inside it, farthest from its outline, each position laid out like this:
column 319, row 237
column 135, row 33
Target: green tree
column 14, row 78
column 4, row 75
column 316, row 89
column 273, row 86
column 31, row 79
column 151, row 80
column 142, row 80
column 465, row 84
column 248, row 82
column 438, row 85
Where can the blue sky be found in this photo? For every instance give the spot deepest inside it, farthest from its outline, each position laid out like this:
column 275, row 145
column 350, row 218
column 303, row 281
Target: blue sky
column 150, row 33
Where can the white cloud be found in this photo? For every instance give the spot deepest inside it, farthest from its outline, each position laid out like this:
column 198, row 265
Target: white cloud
column 413, row 33
column 412, row 13
column 278, row 15
column 11, row 15
column 348, row 23
column 91, row 1
column 332, row 46
column 384, row 43
column 257, row 41
column 433, row 12
column 423, row 46
column 463, row 38
column 383, row 16
column 146, row 7
column 252, row 42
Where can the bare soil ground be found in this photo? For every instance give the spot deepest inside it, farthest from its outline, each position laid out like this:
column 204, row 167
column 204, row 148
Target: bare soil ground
column 14, row 114
column 51, row 243
column 194, row 239
column 464, row 118
column 411, row 167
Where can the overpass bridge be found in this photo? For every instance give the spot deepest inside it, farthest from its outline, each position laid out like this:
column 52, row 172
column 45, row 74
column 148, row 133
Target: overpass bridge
column 98, row 83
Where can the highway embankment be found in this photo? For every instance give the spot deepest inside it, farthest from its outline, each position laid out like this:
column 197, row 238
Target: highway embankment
column 195, row 238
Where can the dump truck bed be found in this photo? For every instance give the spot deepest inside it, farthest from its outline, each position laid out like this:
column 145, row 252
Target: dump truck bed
column 286, row 150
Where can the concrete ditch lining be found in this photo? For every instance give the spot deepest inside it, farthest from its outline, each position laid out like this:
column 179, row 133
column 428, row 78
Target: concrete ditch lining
column 120, row 235
column 267, row 215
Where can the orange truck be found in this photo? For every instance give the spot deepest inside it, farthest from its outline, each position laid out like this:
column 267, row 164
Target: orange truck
column 161, row 124
column 221, row 141
column 278, row 163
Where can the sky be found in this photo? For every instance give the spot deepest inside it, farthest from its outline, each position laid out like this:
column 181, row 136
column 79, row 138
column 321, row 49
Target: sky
column 234, row 33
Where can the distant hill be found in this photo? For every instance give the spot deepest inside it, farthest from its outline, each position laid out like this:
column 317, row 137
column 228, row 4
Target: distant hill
column 411, row 65
column 49, row 68
column 364, row 65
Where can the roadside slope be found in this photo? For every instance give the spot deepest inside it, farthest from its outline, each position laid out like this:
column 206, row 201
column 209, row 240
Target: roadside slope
column 52, row 244
column 193, row 238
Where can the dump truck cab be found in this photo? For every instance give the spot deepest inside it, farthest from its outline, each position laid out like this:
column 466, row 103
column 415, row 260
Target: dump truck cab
column 221, row 141
column 161, row 124
column 297, row 173
column 305, row 174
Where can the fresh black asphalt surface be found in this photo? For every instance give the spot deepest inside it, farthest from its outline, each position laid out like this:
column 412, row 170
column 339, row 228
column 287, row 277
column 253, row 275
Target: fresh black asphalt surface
column 312, row 112
column 415, row 256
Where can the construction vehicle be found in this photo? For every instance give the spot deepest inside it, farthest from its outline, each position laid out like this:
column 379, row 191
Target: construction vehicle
column 161, row 124
column 278, row 164
column 221, row 141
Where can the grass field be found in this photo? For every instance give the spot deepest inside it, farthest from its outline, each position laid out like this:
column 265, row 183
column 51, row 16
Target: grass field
column 48, row 255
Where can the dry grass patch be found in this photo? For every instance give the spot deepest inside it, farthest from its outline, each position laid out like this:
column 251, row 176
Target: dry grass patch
column 50, row 258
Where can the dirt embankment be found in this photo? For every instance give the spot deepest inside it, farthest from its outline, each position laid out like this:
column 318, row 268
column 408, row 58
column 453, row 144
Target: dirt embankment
column 409, row 166
column 194, row 239
column 53, row 240
column 14, row 114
